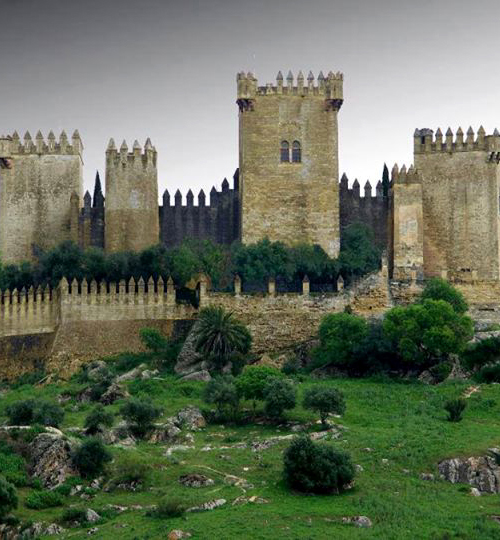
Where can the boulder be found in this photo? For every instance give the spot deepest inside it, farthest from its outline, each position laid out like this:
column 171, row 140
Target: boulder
column 210, row 505
column 189, row 360
column 482, row 473
column 202, row 375
column 190, row 418
column 177, row 534
column 195, row 480
column 457, row 372
column 131, row 375
column 97, row 371
column 161, row 433
column 113, row 393
column 50, row 456
column 358, row 521
column 148, row 374
column 91, row 516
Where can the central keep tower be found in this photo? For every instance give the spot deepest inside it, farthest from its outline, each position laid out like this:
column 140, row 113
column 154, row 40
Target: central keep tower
column 288, row 140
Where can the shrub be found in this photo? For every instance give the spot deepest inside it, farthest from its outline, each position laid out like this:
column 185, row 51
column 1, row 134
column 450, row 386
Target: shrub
column 168, row 508
column 489, row 374
column 316, row 468
column 72, row 515
column 97, row 419
column 324, row 400
column 13, row 467
column 481, row 353
column 90, row 458
column 27, row 378
column 32, row 411
column 164, row 349
column 38, row 500
column 292, row 366
column 440, row 289
column 455, row 409
column 8, row 498
column 359, row 254
column 426, row 333
column 252, row 381
column 130, row 469
column 279, row 395
column 219, row 335
column 139, row 415
column 339, row 335
column 98, row 389
column 222, row 392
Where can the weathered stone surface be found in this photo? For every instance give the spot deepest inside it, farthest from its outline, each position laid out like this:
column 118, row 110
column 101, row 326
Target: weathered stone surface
column 482, row 473
column 190, row 418
column 210, row 505
column 177, row 534
column 202, row 375
column 189, row 360
column 164, row 433
column 358, row 521
column 132, row 374
column 97, row 371
column 50, row 457
column 195, row 480
column 113, row 393
column 91, row 516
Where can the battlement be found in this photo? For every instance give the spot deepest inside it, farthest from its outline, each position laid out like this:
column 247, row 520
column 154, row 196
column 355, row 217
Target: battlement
column 426, row 142
column 12, row 145
column 355, row 190
column 137, row 157
column 404, row 176
column 329, row 87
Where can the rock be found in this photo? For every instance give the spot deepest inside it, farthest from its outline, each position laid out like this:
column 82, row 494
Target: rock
column 92, row 531
column 242, row 499
column 457, row 372
column 475, row 492
column 164, row 433
column 96, row 483
column 50, row 456
column 427, row 377
column 482, row 473
column 97, row 371
column 177, row 534
column 117, row 508
column 91, row 516
column 385, row 461
column 427, row 476
column 357, row 521
column 195, row 480
column 210, row 505
column 189, row 360
column 147, row 374
column 358, row 468
column 190, row 418
column 368, row 449
column 406, row 471
column 177, row 448
column 131, row 375
column 202, row 375
column 113, row 393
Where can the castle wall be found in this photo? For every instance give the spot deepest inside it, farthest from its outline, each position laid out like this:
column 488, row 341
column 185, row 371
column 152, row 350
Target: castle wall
column 131, row 210
column 218, row 221
column 460, row 184
column 290, row 202
column 35, row 194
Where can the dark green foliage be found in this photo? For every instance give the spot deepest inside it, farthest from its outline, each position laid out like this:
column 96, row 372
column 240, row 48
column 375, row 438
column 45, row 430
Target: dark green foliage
column 252, row 381
column 455, row 409
column 359, row 253
column 316, row 468
column 130, row 469
column 27, row 378
column 222, row 392
column 97, row 419
column 8, row 498
column 168, row 508
column 339, row 334
column 32, row 411
column 98, row 389
column 90, row 458
column 72, row 515
column 427, row 332
column 292, row 366
column 441, row 371
column 489, row 374
column 165, row 350
column 38, row 500
column 486, row 351
column 324, row 400
column 279, row 395
column 440, row 289
column 219, row 335
column 13, row 466
column 139, row 415
column 127, row 361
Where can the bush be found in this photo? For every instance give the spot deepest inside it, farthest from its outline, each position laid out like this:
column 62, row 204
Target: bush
column 98, row 389
column 428, row 332
column 38, row 500
column 97, row 419
column 324, row 400
column 279, row 395
column 32, row 411
column 168, row 508
column 252, row 381
column 139, row 415
column 8, row 498
column 72, row 515
column 90, row 458
column 339, row 336
column 292, row 366
column 130, row 469
column 316, row 468
column 222, row 392
column 489, row 374
column 13, row 467
column 359, row 254
column 486, row 351
column 439, row 289
column 455, row 409
column 164, row 349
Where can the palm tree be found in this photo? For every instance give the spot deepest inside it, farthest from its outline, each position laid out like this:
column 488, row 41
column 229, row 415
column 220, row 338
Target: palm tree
column 219, row 335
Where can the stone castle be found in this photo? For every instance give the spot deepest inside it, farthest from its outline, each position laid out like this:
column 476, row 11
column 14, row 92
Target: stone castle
column 439, row 217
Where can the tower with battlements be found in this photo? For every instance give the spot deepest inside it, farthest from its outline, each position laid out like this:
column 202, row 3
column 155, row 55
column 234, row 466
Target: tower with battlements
column 131, row 210
column 288, row 156
column 37, row 180
column 460, row 201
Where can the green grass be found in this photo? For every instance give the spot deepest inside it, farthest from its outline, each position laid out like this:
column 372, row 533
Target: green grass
column 404, row 423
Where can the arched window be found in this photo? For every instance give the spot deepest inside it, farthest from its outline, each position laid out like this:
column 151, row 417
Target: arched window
column 296, row 152
column 285, row 152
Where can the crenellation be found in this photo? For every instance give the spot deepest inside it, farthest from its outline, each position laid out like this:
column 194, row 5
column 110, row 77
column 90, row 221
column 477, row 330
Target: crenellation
column 425, row 141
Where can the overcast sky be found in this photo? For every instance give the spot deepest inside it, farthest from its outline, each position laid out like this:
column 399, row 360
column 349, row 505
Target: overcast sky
column 166, row 70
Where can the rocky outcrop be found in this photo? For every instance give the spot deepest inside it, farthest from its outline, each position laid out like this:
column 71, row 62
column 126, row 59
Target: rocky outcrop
column 50, row 456
column 35, row 530
column 132, row 374
column 190, row 418
column 210, row 505
column 164, row 433
column 195, row 480
column 113, row 393
column 189, row 360
column 202, row 375
column 482, row 473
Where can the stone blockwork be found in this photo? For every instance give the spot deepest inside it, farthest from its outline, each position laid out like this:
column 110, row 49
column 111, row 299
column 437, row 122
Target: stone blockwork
column 289, row 160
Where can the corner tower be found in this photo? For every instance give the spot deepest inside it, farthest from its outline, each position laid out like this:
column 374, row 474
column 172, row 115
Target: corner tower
column 288, row 139
column 36, row 183
column 460, row 190
column 131, row 210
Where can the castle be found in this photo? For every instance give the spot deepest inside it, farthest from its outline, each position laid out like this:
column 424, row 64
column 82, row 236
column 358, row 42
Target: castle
column 439, row 217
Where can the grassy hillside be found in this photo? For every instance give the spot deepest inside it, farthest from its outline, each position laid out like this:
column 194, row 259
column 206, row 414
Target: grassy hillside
column 401, row 422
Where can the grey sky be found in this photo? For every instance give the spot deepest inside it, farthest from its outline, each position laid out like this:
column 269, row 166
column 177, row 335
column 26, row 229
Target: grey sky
column 164, row 69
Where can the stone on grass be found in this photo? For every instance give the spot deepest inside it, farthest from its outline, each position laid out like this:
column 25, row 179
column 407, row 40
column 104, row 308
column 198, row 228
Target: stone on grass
column 190, row 418
column 113, row 393
column 482, row 473
column 195, row 480
column 164, row 433
column 91, row 516
column 177, row 534
column 210, row 505
column 202, row 375
column 50, row 456
column 132, row 374
column 427, row 476
column 358, row 521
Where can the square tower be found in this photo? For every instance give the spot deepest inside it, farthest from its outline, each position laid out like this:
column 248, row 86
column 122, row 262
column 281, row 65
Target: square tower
column 288, row 139
column 460, row 188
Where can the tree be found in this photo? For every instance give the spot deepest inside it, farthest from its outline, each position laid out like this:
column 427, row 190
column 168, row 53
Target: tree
column 139, row 415
column 279, row 395
column 222, row 392
column 439, row 289
column 91, row 457
column 385, row 181
column 253, row 380
column 8, row 498
column 324, row 400
column 425, row 333
column 30, row 411
column 316, row 468
column 97, row 419
column 339, row 335
column 359, row 254
column 219, row 334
